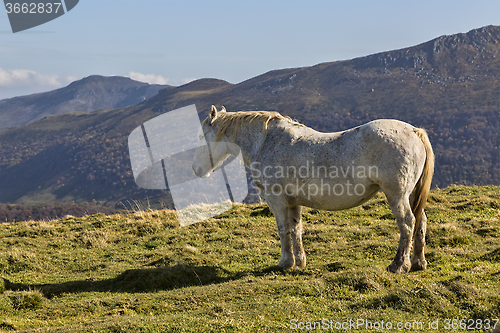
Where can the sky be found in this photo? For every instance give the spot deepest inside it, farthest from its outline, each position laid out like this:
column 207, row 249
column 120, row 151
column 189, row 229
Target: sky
column 174, row 42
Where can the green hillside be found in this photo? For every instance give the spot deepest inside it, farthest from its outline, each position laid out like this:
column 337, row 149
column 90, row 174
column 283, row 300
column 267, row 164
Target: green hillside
column 141, row 272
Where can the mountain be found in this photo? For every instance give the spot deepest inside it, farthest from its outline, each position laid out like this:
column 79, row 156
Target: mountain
column 86, row 95
column 449, row 85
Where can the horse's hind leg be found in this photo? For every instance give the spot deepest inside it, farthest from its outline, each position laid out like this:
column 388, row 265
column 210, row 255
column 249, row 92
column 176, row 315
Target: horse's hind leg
column 281, row 214
column 400, row 206
column 295, row 216
column 418, row 261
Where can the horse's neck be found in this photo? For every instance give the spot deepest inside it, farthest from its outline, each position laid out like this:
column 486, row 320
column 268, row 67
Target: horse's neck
column 249, row 138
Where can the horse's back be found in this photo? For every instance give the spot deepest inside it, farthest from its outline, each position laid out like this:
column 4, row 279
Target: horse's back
column 386, row 143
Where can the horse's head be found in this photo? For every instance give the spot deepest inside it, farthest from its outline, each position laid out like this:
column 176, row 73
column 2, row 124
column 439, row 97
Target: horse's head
column 213, row 150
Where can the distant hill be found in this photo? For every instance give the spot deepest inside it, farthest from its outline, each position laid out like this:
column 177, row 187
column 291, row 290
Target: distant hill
column 86, row 95
column 449, row 85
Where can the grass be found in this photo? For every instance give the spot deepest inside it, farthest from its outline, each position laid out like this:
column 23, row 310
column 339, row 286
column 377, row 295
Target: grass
column 141, row 272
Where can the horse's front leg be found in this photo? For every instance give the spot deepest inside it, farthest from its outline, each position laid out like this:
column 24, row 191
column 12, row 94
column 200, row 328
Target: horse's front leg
column 281, row 214
column 295, row 216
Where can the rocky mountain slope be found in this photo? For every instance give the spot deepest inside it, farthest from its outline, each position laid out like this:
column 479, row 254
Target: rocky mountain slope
column 86, row 95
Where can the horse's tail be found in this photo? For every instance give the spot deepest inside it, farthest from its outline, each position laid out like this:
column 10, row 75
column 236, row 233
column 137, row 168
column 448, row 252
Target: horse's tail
column 421, row 191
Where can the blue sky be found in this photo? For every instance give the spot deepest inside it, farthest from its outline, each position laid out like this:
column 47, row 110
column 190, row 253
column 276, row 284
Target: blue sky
column 172, row 42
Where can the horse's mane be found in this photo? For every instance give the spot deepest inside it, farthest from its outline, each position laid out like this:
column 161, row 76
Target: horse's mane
column 238, row 119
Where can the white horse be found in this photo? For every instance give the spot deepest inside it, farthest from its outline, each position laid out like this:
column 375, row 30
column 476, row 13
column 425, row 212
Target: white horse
column 293, row 166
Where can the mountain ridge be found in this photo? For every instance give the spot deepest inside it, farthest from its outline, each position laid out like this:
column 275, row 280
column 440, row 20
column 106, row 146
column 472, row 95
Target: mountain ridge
column 89, row 94
column 412, row 57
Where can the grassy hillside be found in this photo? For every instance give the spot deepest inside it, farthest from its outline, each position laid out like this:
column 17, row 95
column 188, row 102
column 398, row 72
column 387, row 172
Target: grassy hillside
column 141, row 272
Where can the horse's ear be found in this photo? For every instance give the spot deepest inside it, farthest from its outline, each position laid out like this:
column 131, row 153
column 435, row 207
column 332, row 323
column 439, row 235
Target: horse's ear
column 223, row 109
column 213, row 114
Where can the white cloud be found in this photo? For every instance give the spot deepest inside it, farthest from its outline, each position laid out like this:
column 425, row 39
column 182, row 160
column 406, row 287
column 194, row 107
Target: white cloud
column 157, row 79
column 12, row 78
column 148, row 78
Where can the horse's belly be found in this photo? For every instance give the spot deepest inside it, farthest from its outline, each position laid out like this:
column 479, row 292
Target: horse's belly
column 333, row 196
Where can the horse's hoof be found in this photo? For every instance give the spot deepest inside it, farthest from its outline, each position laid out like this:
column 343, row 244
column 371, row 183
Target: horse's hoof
column 300, row 262
column 398, row 268
column 286, row 264
column 418, row 266
column 300, row 265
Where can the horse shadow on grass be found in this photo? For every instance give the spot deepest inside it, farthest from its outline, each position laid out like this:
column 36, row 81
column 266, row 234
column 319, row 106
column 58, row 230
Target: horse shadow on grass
column 149, row 280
